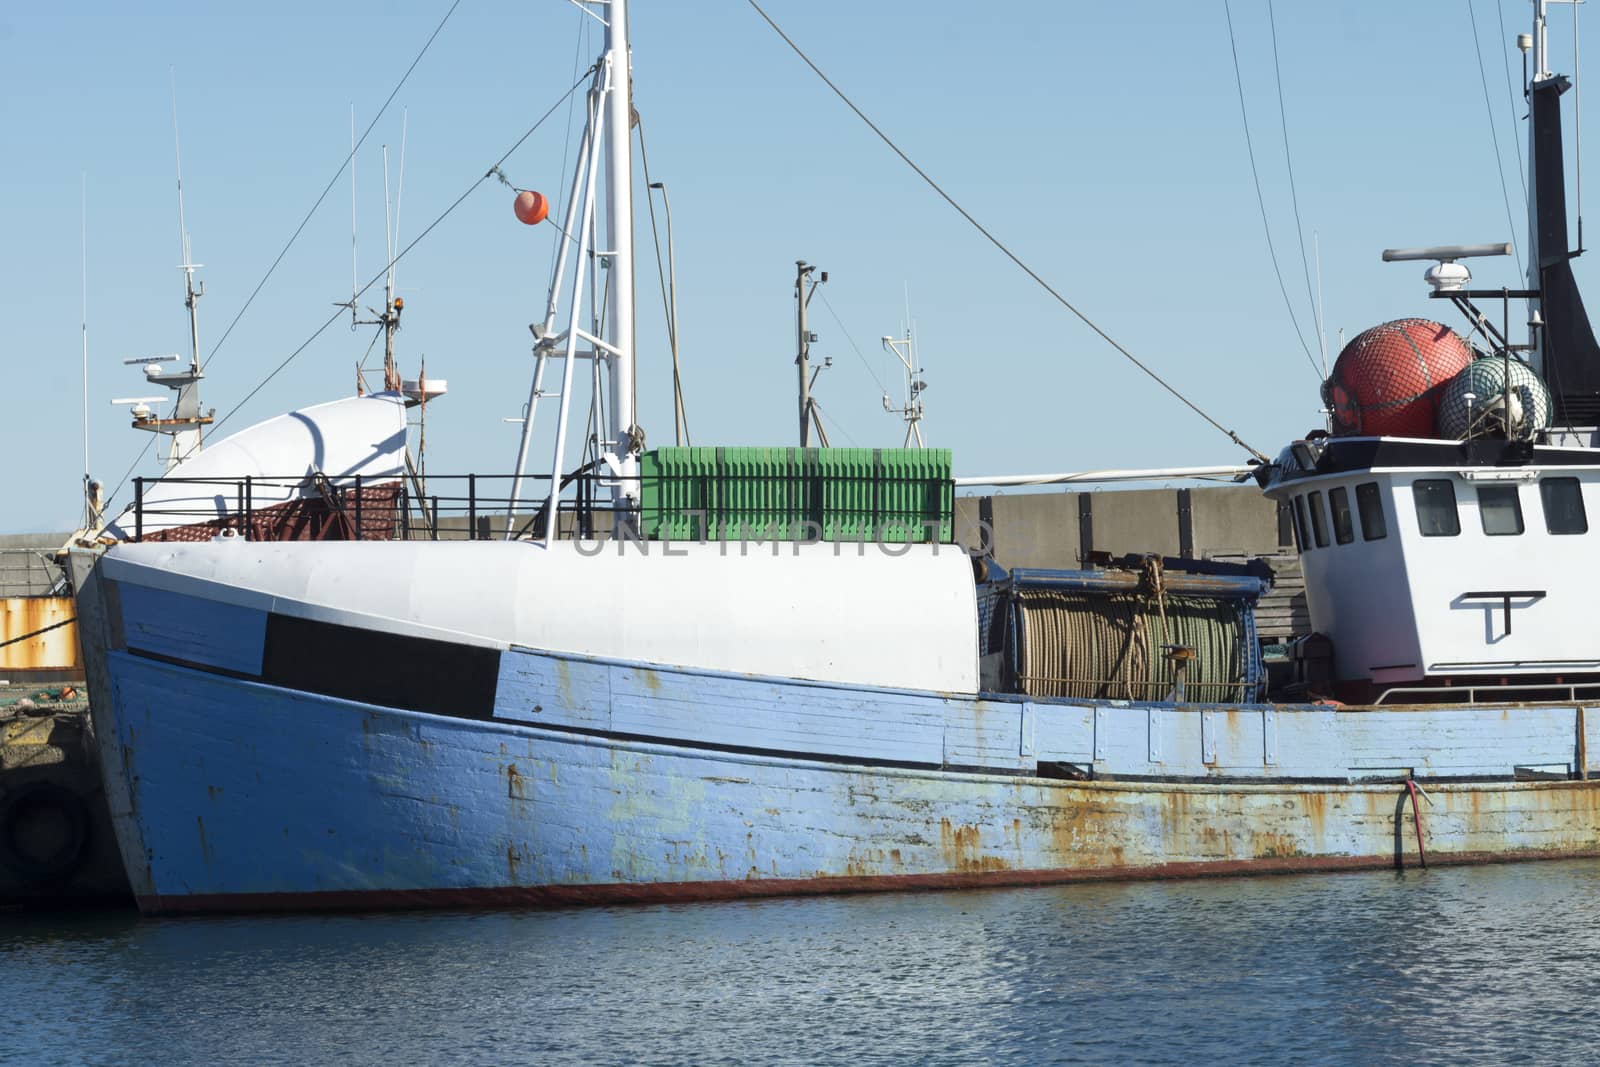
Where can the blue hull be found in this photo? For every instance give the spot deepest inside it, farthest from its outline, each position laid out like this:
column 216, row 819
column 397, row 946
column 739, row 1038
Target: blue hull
column 242, row 774
column 244, row 796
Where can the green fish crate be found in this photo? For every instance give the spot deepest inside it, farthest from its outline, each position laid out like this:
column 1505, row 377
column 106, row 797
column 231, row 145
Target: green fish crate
column 890, row 495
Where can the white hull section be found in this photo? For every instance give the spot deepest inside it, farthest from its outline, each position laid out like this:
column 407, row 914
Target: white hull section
column 823, row 612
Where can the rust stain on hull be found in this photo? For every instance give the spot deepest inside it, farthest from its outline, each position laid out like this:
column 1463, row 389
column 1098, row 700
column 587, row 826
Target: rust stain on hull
column 962, row 848
column 659, row 892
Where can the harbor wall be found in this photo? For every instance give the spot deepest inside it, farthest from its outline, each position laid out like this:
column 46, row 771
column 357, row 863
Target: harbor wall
column 57, row 846
column 1059, row 529
column 27, row 564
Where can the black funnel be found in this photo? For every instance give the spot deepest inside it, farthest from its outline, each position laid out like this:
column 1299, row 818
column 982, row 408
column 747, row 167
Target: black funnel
column 1571, row 356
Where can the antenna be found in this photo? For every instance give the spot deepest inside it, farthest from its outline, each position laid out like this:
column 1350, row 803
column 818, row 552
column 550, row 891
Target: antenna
column 905, row 350
column 355, row 277
column 388, row 233
column 186, row 421
column 1322, row 325
column 390, row 319
column 399, row 189
column 188, row 267
column 805, row 287
column 91, row 518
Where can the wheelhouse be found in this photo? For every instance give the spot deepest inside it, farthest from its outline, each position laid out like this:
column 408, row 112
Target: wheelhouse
column 1432, row 563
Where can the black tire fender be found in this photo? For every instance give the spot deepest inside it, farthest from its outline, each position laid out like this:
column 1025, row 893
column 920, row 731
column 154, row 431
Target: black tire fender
column 27, row 801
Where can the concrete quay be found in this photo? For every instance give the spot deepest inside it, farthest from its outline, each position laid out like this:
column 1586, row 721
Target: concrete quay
column 57, row 848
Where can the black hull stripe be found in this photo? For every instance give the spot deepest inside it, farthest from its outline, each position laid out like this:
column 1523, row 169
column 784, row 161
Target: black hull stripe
column 392, row 670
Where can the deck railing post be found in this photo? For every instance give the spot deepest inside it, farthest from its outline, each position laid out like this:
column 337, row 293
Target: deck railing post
column 138, row 509
column 1583, row 748
column 472, row 507
column 360, row 529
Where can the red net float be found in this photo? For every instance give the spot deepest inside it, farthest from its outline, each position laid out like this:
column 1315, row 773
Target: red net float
column 1387, row 380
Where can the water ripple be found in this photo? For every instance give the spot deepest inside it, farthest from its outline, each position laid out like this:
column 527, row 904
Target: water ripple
column 1461, row 965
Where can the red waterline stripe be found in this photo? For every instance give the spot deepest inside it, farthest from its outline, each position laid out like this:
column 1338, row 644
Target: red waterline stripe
column 552, row 896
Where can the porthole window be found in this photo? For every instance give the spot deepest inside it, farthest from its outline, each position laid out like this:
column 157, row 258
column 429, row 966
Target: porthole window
column 1319, row 520
column 1563, row 506
column 1435, row 499
column 1369, row 502
column 1339, row 503
column 1500, row 510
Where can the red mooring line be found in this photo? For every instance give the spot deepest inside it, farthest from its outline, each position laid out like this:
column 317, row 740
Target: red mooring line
column 1416, row 819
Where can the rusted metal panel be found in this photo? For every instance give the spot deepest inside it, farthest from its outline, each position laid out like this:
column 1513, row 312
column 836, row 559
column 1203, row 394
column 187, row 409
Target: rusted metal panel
column 52, row 649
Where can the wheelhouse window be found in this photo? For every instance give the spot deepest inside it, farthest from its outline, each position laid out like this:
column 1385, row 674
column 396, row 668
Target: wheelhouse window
column 1563, row 506
column 1369, row 502
column 1301, row 526
column 1339, row 503
column 1319, row 519
column 1435, row 499
column 1500, row 510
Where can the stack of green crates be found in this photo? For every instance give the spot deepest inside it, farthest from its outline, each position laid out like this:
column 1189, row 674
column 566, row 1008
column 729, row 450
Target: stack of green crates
column 894, row 495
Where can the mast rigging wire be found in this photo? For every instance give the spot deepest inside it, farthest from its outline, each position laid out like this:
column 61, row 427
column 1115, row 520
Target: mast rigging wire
column 1516, row 132
column 1294, row 197
column 295, row 236
column 493, row 171
column 853, row 346
column 582, row 44
column 992, row 239
column 1261, row 200
column 398, row 85
column 666, row 307
column 1499, row 161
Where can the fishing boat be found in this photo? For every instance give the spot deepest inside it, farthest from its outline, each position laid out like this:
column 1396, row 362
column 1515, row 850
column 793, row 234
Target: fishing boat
column 615, row 699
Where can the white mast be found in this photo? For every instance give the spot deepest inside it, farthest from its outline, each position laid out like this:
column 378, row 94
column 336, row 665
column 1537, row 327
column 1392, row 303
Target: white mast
column 906, row 351
column 187, row 420
column 626, row 438
column 604, row 155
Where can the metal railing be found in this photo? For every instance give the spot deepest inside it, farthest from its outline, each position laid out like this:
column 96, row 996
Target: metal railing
column 1511, row 692
column 480, row 507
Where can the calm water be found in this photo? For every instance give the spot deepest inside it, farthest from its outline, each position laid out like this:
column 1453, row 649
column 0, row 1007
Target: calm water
column 1486, row 965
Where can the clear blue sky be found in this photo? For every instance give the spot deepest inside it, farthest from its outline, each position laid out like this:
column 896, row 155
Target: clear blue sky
column 1102, row 141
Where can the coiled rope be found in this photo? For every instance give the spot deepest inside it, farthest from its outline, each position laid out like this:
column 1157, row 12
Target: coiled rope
column 1087, row 645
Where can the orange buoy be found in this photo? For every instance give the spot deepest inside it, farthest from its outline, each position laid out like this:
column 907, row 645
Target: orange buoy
column 1388, row 379
column 532, row 207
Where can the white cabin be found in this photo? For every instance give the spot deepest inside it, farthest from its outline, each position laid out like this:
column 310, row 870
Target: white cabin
column 1439, row 562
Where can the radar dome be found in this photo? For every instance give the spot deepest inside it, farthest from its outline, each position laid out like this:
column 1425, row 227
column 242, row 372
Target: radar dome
column 1387, row 379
